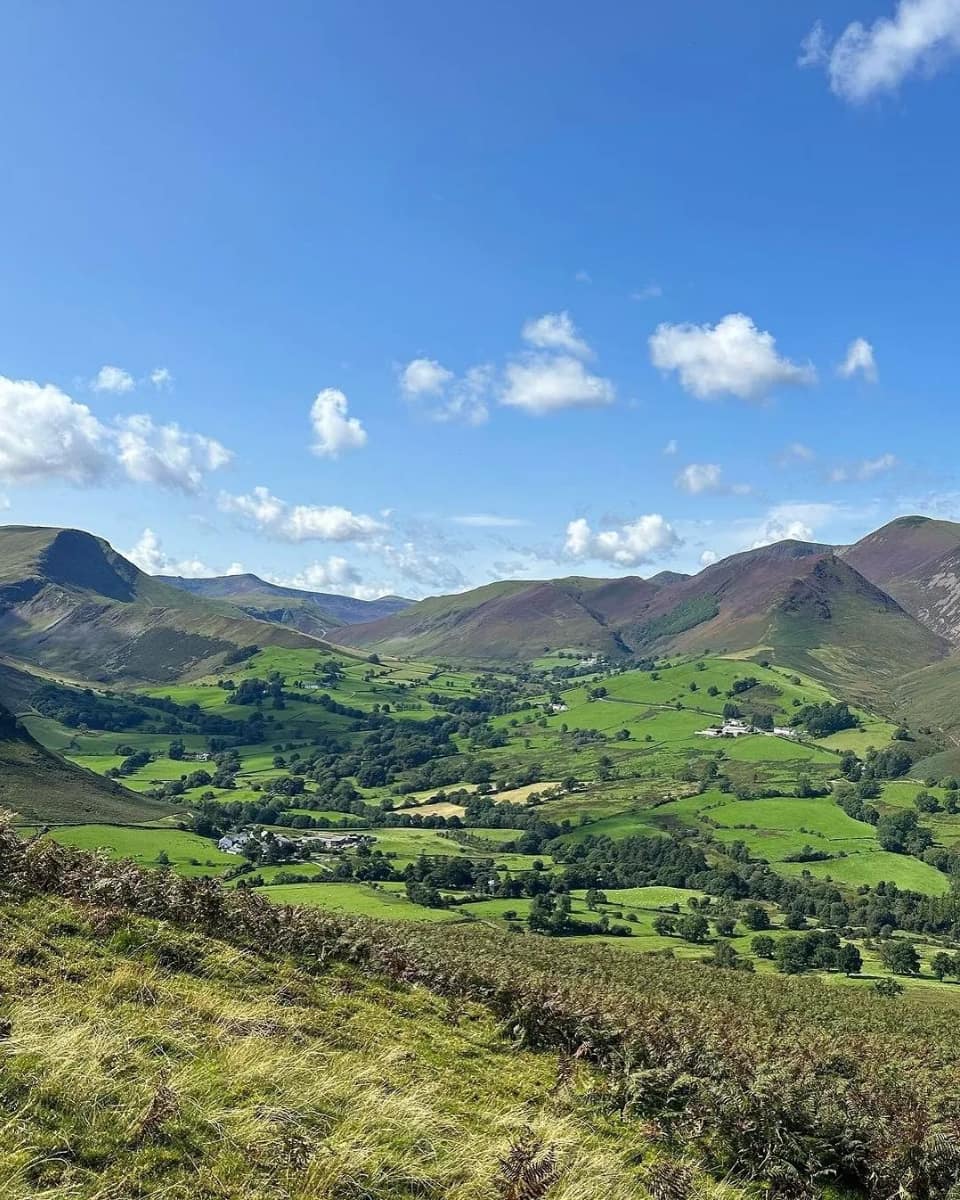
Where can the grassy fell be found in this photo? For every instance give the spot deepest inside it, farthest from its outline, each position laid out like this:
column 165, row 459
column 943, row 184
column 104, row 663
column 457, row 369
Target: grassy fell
column 776, row 1080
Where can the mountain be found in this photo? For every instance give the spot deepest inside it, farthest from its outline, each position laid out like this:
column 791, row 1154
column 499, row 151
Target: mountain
column 796, row 602
column 315, row 613
column 916, row 560
column 70, row 603
column 40, row 787
column 512, row 620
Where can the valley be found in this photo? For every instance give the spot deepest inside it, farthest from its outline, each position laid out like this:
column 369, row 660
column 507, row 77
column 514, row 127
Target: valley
column 560, row 794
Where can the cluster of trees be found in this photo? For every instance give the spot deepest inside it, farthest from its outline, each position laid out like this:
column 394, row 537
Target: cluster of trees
column 820, row 720
column 818, row 950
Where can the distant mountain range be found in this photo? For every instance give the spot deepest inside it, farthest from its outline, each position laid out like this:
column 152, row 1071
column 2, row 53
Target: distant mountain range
column 821, row 608
column 315, row 613
column 879, row 620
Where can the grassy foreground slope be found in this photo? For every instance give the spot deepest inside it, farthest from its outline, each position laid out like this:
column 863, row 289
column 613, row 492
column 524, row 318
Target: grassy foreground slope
column 137, row 1061
column 776, row 1081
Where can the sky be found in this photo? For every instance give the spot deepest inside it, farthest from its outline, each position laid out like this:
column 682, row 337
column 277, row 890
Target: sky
column 377, row 298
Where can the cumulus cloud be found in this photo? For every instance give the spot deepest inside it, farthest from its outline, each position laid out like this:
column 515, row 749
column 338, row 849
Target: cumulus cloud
column 167, row 455
column 149, row 555
column 671, row 447
column 921, row 37
column 333, row 429
column 708, row 558
column 45, row 435
column 583, row 277
column 112, row 379
column 794, row 522
column 160, row 377
column 647, row 538
column 555, row 331
column 544, row 383
column 424, row 568
column 859, row 357
column 697, row 478
column 424, row 377
column 860, row 472
column 700, row 477
column 300, row 522
column 445, row 397
column 733, row 357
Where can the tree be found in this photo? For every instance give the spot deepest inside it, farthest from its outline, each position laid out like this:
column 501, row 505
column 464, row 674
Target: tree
column 763, row 946
column 941, row 965
column 694, row 927
column 664, row 926
column 594, row 897
column 849, row 959
column 900, row 957
column 724, row 926
column 792, row 956
column 724, row 955
column 756, row 917
column 888, row 988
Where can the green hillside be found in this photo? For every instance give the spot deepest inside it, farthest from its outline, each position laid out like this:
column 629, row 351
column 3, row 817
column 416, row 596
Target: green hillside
column 70, row 603
column 175, row 1065
column 40, row 787
column 355, row 1059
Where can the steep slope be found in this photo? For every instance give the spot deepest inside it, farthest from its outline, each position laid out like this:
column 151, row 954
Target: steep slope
column 799, row 604
column 796, row 602
column 512, row 620
column 314, row 613
column 916, row 560
column 141, row 1061
column 69, row 602
column 39, row 787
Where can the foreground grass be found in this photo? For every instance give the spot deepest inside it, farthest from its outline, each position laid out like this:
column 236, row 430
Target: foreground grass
column 137, row 1060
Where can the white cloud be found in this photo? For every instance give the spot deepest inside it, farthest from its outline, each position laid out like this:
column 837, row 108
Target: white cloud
column 160, row 377
column 112, row 379
column 300, row 522
column 488, row 521
column 425, row 569
column 647, row 538
column 794, row 522
column 733, row 356
column 542, row 384
column 583, row 277
column 166, row 455
column 333, row 429
column 671, row 447
column 796, row 452
column 697, row 478
column 859, row 357
column 443, row 396
column 708, row 558
column 860, row 472
column 335, row 575
column 651, row 291
column 555, row 332
column 921, row 36
column 700, row 477
column 45, row 435
column 424, row 377
column 148, row 554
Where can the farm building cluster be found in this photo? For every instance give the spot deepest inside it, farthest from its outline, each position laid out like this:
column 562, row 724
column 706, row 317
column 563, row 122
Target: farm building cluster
column 734, row 727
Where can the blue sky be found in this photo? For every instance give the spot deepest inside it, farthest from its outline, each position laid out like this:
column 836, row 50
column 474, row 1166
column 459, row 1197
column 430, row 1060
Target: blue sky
column 374, row 297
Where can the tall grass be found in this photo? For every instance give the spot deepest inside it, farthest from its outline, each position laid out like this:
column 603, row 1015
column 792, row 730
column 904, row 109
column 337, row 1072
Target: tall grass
column 777, row 1081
